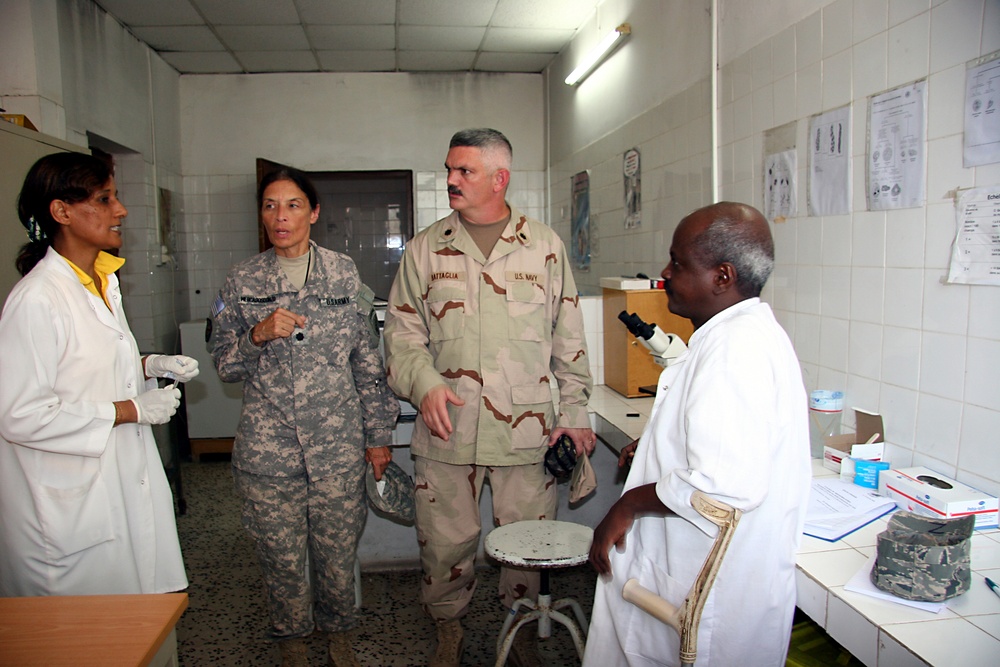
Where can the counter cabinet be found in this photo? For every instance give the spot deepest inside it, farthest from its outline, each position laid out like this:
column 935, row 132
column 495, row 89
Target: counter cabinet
column 628, row 365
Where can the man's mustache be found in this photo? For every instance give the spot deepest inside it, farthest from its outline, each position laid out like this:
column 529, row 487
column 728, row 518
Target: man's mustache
column 453, row 190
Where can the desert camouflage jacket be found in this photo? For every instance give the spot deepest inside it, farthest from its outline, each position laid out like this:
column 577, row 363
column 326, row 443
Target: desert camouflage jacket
column 497, row 332
column 311, row 403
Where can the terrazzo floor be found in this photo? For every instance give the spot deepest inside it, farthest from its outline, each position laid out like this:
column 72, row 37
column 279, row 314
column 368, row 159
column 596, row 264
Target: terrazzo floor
column 226, row 619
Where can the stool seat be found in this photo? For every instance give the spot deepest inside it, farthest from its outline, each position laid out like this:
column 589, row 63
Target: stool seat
column 540, row 544
column 544, row 546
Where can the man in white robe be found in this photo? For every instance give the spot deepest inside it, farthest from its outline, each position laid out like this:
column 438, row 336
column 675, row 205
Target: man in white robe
column 730, row 420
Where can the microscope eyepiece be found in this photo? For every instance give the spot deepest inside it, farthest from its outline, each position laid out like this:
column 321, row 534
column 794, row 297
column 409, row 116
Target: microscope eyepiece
column 636, row 326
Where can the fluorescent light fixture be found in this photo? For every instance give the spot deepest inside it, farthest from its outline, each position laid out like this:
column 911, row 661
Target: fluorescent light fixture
column 598, row 53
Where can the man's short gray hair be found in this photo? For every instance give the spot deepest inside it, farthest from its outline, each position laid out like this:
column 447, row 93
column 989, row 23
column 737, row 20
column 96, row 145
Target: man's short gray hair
column 492, row 143
column 731, row 237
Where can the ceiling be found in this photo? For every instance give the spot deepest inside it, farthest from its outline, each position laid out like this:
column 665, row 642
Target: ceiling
column 246, row 36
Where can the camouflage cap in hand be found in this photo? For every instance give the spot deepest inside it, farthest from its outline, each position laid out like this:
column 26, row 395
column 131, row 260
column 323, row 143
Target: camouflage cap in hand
column 397, row 497
column 560, row 459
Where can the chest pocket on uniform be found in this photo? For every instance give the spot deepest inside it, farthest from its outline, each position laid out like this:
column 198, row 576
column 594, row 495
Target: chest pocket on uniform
column 526, row 312
column 446, row 303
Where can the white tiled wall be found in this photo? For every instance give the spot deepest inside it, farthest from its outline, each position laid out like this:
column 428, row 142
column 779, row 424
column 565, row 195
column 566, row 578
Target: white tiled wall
column 863, row 295
column 219, row 229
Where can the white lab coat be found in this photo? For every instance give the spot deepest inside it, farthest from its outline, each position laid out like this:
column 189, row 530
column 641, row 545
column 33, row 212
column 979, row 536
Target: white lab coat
column 85, row 507
column 729, row 419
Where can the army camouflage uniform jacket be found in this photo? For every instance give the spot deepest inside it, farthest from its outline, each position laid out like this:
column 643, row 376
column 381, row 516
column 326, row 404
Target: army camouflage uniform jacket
column 495, row 332
column 310, row 405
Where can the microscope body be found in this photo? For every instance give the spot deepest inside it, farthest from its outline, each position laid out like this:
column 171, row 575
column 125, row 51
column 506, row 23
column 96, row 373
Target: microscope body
column 664, row 347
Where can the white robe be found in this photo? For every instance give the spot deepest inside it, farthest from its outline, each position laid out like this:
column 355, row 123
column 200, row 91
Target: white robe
column 85, row 507
column 729, row 419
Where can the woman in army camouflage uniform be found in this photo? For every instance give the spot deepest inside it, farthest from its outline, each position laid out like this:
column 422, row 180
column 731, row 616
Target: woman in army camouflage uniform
column 293, row 323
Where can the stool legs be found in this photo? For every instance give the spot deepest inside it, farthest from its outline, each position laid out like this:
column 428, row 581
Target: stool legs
column 544, row 612
column 581, row 620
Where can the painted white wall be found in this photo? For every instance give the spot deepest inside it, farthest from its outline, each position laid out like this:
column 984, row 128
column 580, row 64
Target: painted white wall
column 165, row 100
column 744, row 25
column 667, row 52
column 77, row 74
column 30, row 50
column 352, row 121
column 104, row 76
column 653, row 94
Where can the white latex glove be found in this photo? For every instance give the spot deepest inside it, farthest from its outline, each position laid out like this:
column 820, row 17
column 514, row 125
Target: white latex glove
column 157, row 406
column 173, row 367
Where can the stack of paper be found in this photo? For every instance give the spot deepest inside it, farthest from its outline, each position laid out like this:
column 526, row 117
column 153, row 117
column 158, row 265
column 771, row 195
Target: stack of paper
column 838, row 508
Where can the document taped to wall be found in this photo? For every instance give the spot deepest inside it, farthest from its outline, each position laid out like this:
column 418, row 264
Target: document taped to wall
column 975, row 254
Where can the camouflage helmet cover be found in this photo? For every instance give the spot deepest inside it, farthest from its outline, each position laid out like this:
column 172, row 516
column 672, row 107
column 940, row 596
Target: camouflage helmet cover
column 921, row 558
column 396, row 498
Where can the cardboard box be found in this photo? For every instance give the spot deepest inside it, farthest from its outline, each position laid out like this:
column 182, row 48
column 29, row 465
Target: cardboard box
column 18, row 119
column 839, row 449
column 923, row 491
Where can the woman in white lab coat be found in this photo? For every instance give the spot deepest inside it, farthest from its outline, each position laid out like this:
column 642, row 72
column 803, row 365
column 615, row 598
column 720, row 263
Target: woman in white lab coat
column 85, row 507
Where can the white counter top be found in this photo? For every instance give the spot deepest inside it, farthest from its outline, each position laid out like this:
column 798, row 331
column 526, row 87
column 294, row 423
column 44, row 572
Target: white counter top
column 881, row 633
column 877, row 632
column 628, row 415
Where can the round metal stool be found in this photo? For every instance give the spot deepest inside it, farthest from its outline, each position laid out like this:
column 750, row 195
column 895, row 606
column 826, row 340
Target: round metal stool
column 543, row 546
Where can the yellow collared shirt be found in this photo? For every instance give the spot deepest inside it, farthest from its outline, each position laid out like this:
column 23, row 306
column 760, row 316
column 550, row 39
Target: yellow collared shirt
column 104, row 265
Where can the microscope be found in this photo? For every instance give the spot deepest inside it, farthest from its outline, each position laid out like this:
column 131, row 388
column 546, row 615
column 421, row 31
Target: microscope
column 665, row 347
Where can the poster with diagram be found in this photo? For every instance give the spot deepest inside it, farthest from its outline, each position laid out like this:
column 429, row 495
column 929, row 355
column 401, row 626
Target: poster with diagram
column 897, row 147
column 580, row 222
column 780, row 182
column 632, row 175
column 829, row 162
column 982, row 111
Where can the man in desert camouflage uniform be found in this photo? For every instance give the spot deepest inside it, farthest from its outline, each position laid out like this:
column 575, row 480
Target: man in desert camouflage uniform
column 315, row 406
column 482, row 315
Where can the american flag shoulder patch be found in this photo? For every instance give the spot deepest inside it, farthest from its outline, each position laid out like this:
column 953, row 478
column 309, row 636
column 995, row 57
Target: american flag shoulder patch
column 218, row 305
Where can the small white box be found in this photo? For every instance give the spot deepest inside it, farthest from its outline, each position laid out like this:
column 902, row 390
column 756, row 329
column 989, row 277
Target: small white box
column 923, row 491
column 624, row 283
